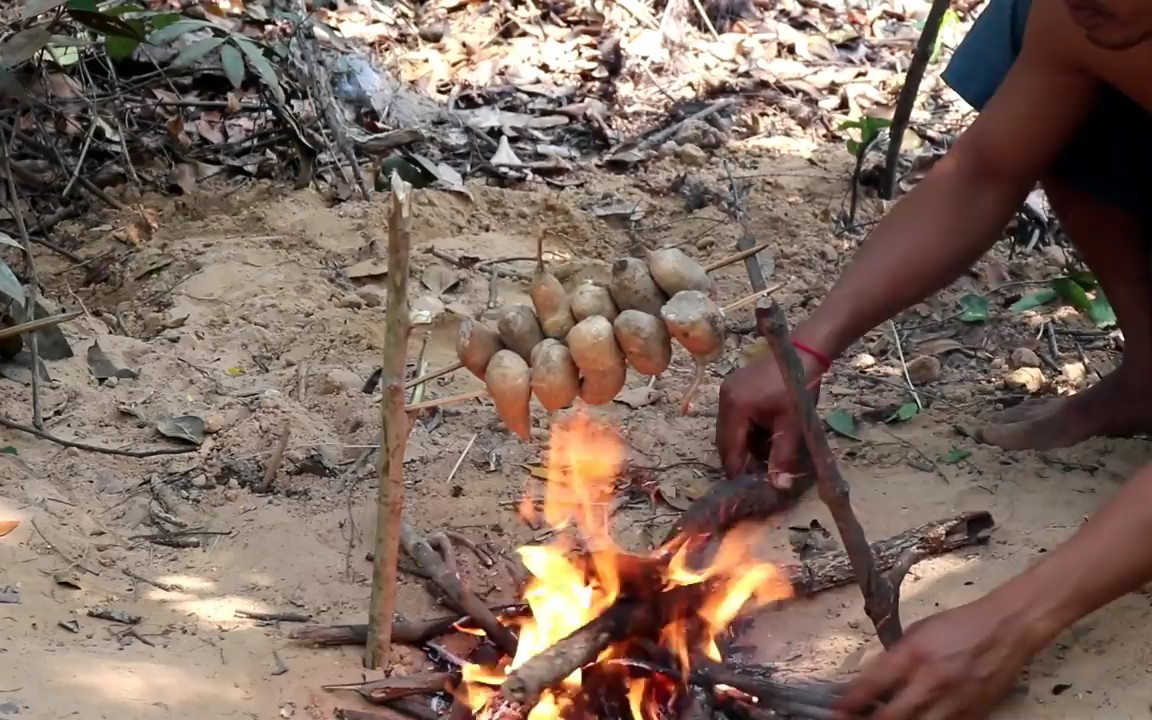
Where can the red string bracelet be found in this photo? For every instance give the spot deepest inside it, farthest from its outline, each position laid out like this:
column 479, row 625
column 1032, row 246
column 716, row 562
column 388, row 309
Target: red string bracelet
column 824, row 359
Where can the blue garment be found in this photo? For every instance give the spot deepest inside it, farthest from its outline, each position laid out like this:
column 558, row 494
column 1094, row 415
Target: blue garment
column 1111, row 156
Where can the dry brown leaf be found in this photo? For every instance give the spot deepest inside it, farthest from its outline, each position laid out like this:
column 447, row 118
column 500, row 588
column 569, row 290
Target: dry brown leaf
column 7, row 526
column 938, row 346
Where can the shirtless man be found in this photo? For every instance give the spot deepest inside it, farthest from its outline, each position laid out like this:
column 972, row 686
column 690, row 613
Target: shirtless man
column 1065, row 89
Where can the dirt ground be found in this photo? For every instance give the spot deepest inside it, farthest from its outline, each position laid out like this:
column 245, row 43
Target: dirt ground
column 238, row 310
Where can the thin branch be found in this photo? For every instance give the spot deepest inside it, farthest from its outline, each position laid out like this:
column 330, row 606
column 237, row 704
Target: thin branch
column 904, row 365
column 925, row 48
column 33, row 289
column 881, row 592
column 43, row 435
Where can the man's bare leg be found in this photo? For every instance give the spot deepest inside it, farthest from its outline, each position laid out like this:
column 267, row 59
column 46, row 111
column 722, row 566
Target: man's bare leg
column 1116, row 245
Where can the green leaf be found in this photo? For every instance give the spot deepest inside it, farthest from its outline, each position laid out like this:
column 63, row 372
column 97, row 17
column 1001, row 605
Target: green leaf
column 262, row 67
column 1035, row 300
column 120, row 48
column 197, row 50
column 853, row 147
column 233, row 63
column 164, row 20
column 167, row 32
column 89, row 5
column 1101, row 312
column 105, row 24
column 955, row 455
column 9, row 450
column 1071, row 293
column 904, row 413
column 1085, row 279
column 973, row 308
column 950, row 18
column 841, row 422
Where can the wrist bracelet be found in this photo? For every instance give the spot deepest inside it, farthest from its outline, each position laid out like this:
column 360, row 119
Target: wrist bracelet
column 808, row 349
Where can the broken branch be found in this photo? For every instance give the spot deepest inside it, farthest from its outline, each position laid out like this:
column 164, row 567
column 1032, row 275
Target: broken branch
column 394, row 433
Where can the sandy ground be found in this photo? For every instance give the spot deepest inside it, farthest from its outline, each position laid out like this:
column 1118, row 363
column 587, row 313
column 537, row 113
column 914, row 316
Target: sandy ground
column 238, row 303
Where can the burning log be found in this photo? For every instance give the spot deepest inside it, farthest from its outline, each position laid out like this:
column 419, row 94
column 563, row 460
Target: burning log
column 881, row 590
column 415, row 632
column 636, row 617
column 727, row 504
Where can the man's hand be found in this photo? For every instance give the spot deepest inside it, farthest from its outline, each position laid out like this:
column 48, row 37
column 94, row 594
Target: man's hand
column 953, row 666
column 756, row 396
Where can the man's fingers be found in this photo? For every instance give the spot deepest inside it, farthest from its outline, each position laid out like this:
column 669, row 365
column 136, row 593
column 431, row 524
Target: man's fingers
column 916, row 701
column 786, row 444
column 732, row 428
column 876, row 679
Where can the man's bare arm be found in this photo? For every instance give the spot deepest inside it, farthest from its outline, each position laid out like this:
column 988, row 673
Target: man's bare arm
column 940, row 228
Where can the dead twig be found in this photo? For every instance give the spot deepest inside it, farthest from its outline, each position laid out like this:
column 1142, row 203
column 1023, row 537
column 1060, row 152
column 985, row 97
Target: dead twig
column 881, row 591
column 32, row 290
column 94, row 448
column 54, row 548
column 463, row 599
column 904, row 365
column 903, row 112
column 274, row 617
column 394, row 433
column 166, row 587
column 660, row 136
column 274, row 461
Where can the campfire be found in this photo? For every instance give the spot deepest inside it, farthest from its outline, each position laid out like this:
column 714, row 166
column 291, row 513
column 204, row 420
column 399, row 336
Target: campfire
column 605, row 633
column 674, row 606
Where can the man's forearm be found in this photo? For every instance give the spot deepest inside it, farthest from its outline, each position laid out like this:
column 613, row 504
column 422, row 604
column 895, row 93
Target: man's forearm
column 1107, row 558
column 926, row 241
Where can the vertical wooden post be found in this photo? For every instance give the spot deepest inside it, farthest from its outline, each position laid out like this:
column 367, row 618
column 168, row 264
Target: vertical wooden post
column 394, row 433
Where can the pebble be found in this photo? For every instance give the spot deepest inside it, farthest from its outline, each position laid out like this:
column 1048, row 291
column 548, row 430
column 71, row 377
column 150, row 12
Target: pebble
column 372, row 297
column 693, row 155
column 924, row 370
column 668, row 150
column 863, row 361
column 233, row 484
column 350, row 300
column 1023, row 357
column 200, row 481
column 213, row 424
column 1025, row 378
column 338, row 381
column 829, row 253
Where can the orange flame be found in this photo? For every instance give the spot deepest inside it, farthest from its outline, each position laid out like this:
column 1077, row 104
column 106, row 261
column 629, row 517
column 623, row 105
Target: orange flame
column 564, row 594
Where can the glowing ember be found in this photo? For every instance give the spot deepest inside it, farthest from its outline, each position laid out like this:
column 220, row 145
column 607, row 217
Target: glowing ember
column 570, row 588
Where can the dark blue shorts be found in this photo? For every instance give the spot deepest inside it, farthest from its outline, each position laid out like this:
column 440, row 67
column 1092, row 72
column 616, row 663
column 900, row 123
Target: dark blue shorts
column 1111, row 156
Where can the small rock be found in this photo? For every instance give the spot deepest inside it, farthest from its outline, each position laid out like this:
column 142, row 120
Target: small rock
column 1075, row 373
column 924, row 370
column 200, row 481
column 233, row 484
column 111, row 382
column 372, row 297
column 1025, row 378
column 1056, row 255
column 350, row 300
column 998, row 364
column 863, row 361
column 829, row 253
column 231, row 495
column 700, row 134
column 339, row 381
column 213, row 424
column 693, row 155
column 1023, row 357
column 668, row 150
